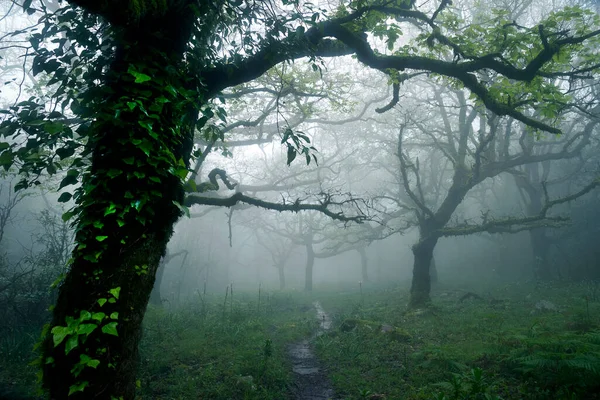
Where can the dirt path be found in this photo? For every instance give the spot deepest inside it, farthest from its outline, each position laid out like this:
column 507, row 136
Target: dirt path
column 310, row 379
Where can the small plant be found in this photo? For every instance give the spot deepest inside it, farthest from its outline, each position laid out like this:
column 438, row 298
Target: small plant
column 469, row 385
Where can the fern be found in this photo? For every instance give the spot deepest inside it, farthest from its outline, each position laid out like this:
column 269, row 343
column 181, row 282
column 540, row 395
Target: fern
column 572, row 360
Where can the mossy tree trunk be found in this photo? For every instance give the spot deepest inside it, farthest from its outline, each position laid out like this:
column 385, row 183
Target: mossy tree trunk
column 90, row 350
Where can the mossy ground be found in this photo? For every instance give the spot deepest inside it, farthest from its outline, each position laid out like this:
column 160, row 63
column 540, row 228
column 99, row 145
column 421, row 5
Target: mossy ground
column 496, row 346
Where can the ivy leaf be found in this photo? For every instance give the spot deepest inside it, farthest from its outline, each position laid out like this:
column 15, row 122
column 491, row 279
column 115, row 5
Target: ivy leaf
column 139, row 77
column 68, row 215
column 78, row 387
column 101, row 238
column 115, row 292
column 66, row 196
column 182, row 208
column 110, row 329
column 99, row 316
column 72, row 342
column 68, row 180
column 86, row 329
column 59, row 333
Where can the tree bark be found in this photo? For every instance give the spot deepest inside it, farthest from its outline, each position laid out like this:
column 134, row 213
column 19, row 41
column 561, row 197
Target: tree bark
column 433, row 273
column 364, row 263
column 421, row 283
column 114, row 265
column 310, row 263
column 280, row 270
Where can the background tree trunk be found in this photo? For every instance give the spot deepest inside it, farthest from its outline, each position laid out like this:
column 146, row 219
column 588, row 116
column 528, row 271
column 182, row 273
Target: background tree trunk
column 421, row 283
column 280, row 270
column 310, row 263
column 433, row 273
column 364, row 264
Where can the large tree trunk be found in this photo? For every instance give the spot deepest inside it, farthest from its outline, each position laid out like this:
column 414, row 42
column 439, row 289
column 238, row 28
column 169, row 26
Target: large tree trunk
column 421, row 282
column 310, row 263
column 280, row 270
column 433, row 273
column 125, row 220
column 364, row 263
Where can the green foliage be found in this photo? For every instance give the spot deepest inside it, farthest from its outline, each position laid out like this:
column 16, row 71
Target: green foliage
column 193, row 352
column 298, row 143
column 461, row 350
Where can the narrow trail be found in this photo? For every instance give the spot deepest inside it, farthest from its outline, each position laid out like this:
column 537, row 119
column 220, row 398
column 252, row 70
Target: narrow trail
column 310, row 380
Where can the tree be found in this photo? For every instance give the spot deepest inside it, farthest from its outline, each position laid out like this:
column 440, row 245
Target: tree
column 132, row 81
column 434, row 183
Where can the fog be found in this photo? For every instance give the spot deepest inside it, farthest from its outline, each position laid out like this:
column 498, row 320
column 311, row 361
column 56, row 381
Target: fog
column 327, row 205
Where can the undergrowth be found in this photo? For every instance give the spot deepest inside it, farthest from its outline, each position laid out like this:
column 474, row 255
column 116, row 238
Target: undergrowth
column 496, row 345
column 214, row 350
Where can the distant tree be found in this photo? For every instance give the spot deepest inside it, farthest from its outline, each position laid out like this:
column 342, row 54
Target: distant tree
column 438, row 166
column 130, row 83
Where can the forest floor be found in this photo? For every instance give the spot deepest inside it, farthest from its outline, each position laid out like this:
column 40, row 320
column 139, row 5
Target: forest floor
column 517, row 341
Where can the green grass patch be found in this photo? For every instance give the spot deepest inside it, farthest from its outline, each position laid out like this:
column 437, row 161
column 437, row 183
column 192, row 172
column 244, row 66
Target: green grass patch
column 211, row 349
column 501, row 344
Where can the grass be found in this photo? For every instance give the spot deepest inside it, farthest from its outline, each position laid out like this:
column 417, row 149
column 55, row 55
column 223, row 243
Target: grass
column 212, row 350
column 496, row 346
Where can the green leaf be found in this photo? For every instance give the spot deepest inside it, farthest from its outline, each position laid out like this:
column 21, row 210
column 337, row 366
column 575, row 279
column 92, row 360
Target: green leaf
column 93, row 363
column 72, row 342
column 114, row 315
column 78, row 387
column 59, row 333
column 86, row 329
column 65, row 197
column 65, row 152
column 101, row 301
column 110, row 329
column 68, row 215
column 111, row 209
column 68, row 180
column 99, row 316
column 291, row 154
column 84, row 316
column 182, row 208
column 115, row 292
column 146, row 125
column 139, row 77
column 101, row 238
column 113, row 172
